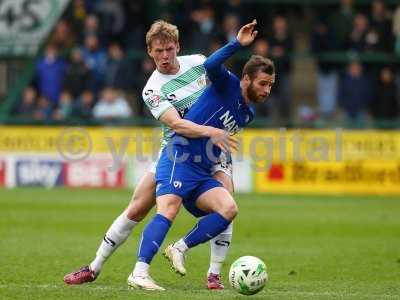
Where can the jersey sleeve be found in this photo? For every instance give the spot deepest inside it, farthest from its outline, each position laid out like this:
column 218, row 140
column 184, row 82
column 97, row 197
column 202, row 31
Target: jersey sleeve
column 199, row 58
column 155, row 101
column 215, row 69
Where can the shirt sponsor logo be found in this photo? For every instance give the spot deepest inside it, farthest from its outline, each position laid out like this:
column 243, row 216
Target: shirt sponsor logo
column 171, row 97
column 201, row 82
column 154, row 101
column 229, row 122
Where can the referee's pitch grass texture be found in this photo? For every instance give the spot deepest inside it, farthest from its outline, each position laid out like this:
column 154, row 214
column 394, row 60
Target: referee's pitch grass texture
column 314, row 247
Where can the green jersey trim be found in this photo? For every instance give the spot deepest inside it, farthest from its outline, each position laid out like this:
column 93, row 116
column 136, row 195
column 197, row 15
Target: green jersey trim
column 182, row 80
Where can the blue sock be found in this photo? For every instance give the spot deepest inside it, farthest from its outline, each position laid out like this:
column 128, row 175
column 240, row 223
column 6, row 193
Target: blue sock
column 152, row 237
column 207, row 228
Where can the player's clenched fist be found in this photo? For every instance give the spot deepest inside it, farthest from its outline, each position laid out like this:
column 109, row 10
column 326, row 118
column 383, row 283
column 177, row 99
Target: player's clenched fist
column 247, row 34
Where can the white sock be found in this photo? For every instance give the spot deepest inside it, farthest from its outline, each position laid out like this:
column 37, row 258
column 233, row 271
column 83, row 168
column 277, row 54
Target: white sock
column 219, row 249
column 115, row 237
column 181, row 246
column 141, row 269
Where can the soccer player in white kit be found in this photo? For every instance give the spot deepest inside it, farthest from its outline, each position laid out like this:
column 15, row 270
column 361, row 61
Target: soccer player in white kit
column 169, row 93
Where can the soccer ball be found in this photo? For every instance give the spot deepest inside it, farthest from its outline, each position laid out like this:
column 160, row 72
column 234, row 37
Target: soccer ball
column 248, row 275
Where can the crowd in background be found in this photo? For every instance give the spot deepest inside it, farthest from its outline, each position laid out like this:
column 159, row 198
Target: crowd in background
column 94, row 64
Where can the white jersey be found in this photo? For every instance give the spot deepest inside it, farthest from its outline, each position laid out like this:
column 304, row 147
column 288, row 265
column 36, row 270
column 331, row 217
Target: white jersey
column 180, row 90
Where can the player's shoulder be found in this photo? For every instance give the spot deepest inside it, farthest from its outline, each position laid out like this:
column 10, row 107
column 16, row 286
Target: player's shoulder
column 193, row 59
column 154, row 83
column 233, row 79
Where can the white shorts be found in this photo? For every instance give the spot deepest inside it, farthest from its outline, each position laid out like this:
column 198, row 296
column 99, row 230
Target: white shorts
column 224, row 164
column 153, row 166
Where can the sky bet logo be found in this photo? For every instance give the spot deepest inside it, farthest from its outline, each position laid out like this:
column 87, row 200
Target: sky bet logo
column 35, row 172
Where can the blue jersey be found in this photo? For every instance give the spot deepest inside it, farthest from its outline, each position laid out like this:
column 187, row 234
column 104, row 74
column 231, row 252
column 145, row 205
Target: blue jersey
column 221, row 106
column 185, row 165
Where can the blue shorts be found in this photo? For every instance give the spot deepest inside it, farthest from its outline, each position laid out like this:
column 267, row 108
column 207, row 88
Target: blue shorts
column 184, row 179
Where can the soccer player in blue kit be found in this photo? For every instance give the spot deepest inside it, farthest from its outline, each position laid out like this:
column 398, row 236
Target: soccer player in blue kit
column 183, row 173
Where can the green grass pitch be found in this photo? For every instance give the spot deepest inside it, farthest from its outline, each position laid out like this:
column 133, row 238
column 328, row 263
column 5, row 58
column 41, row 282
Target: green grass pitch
column 314, row 247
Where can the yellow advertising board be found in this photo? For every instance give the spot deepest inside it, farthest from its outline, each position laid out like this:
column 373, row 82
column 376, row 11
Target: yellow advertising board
column 28, row 139
column 357, row 177
column 281, row 161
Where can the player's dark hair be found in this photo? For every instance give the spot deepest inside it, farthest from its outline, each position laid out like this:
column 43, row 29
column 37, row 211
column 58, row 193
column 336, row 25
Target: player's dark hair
column 258, row 63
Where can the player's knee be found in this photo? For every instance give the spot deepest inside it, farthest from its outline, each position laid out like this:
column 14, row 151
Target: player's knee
column 169, row 210
column 138, row 208
column 134, row 214
column 230, row 210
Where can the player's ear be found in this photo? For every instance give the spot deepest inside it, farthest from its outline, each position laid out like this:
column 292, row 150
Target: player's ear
column 246, row 79
column 149, row 51
column 178, row 47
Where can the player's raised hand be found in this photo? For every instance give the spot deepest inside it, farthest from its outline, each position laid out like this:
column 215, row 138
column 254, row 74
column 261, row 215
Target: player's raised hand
column 247, row 34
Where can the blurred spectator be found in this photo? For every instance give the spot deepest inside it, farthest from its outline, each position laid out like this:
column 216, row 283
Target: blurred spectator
column 281, row 44
column 135, row 29
column 261, row 47
column 396, row 29
column 164, row 9
column 62, row 36
column 120, row 73
column 49, row 74
column 381, row 30
column 27, row 105
column 95, row 58
column 77, row 13
column 111, row 106
column 83, row 108
column 215, row 44
column 43, row 109
column 146, row 69
column 119, row 26
column 355, row 94
column 322, row 41
column 112, row 17
column 64, row 109
column 342, row 22
column 77, row 74
column 235, row 7
column 357, row 39
column 92, row 27
column 230, row 27
column 384, row 105
column 203, row 26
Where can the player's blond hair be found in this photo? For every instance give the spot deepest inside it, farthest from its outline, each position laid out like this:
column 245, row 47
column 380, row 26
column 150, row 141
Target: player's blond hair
column 163, row 31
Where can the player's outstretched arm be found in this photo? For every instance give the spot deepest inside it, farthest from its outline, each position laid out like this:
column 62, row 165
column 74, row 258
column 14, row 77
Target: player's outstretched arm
column 188, row 129
column 216, row 72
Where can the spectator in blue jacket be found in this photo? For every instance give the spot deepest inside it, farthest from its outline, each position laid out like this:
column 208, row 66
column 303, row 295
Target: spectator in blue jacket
column 355, row 94
column 95, row 59
column 49, row 74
